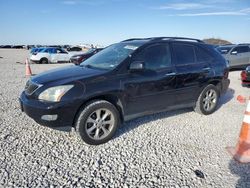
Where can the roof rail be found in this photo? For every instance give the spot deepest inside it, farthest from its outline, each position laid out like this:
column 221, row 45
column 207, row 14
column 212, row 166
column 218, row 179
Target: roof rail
column 165, row 38
column 182, row 38
column 136, row 39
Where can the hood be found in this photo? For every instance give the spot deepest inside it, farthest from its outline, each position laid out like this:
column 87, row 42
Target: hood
column 69, row 73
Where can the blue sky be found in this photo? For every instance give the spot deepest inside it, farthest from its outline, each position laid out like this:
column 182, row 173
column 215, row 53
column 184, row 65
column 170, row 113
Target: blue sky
column 109, row 21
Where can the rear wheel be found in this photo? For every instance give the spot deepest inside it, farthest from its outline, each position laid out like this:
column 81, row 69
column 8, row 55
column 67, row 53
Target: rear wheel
column 97, row 122
column 44, row 61
column 207, row 101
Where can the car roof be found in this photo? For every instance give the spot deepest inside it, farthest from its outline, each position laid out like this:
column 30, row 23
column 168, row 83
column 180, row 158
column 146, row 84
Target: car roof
column 152, row 40
column 158, row 39
column 136, row 41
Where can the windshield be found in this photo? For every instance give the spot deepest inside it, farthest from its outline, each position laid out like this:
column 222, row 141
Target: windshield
column 224, row 49
column 112, row 56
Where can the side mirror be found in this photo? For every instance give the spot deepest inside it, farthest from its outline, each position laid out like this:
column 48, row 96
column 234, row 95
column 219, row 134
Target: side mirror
column 234, row 52
column 137, row 66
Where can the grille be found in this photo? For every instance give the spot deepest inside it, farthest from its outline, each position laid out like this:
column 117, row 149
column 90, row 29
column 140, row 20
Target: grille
column 30, row 87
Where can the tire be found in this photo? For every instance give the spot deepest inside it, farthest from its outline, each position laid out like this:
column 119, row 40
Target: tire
column 99, row 130
column 44, row 61
column 210, row 94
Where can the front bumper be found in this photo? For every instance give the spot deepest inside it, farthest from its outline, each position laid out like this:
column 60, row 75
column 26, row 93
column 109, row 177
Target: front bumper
column 36, row 109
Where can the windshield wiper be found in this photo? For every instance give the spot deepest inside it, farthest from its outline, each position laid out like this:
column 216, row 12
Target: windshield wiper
column 93, row 67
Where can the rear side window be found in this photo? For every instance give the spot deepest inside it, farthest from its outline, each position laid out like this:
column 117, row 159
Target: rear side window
column 184, row 54
column 52, row 51
column 202, row 55
column 241, row 49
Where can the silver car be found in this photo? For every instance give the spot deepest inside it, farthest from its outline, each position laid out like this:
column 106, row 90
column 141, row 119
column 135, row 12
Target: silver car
column 238, row 56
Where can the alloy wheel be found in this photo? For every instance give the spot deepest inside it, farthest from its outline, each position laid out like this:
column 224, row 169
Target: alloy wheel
column 99, row 124
column 209, row 100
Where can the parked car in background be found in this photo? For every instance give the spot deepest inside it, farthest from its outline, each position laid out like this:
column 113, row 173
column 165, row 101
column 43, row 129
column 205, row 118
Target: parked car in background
column 30, row 47
column 77, row 59
column 238, row 56
column 133, row 78
column 245, row 77
column 50, row 55
column 18, row 46
column 6, row 46
column 74, row 49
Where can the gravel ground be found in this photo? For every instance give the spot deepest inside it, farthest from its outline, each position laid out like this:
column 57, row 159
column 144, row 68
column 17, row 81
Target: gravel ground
column 162, row 150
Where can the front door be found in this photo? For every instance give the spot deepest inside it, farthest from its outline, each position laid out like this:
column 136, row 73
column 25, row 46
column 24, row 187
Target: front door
column 151, row 89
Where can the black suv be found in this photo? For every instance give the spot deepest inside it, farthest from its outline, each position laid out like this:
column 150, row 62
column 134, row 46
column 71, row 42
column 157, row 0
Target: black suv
column 126, row 80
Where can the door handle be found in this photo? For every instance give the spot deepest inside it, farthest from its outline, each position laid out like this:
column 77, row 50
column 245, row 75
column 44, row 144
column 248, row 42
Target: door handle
column 171, row 74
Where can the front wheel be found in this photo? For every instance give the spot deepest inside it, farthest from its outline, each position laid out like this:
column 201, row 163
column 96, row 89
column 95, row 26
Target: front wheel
column 44, row 61
column 207, row 101
column 97, row 122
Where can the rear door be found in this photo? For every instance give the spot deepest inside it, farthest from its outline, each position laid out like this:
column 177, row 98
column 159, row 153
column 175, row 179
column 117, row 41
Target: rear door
column 192, row 71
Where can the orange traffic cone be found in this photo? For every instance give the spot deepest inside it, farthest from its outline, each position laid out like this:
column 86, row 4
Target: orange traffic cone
column 241, row 152
column 27, row 68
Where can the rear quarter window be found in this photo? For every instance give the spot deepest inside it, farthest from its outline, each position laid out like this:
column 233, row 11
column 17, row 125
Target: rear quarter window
column 202, row 55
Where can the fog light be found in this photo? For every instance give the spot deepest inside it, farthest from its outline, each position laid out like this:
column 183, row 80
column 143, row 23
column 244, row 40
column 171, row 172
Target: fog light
column 49, row 117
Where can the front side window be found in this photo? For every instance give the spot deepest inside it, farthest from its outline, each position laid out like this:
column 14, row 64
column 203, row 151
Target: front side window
column 184, row 54
column 224, row 49
column 60, row 51
column 155, row 57
column 46, row 50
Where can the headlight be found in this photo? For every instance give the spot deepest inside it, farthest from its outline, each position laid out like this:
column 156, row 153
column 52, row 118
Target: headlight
column 54, row 94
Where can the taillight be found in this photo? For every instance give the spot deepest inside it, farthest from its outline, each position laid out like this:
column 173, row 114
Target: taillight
column 243, row 75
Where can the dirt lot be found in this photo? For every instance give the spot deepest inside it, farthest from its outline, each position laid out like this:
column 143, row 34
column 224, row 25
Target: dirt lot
column 161, row 150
